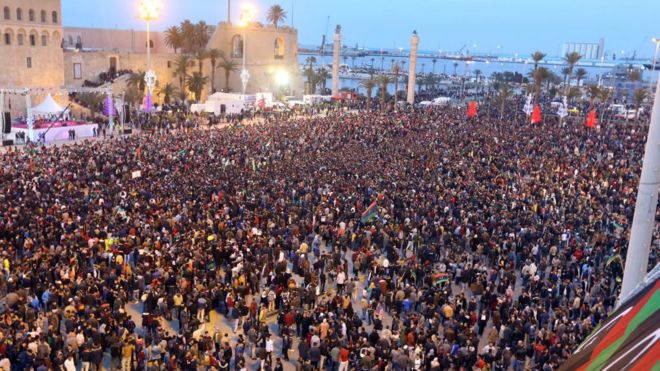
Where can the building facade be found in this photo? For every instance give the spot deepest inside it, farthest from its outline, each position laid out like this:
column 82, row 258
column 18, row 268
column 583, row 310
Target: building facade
column 586, row 50
column 30, row 48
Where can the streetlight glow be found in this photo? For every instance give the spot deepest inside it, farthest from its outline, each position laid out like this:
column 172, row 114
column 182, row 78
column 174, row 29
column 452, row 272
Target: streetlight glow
column 248, row 15
column 282, row 77
column 149, row 9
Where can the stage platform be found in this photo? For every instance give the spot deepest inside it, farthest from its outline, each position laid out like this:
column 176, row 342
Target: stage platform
column 55, row 133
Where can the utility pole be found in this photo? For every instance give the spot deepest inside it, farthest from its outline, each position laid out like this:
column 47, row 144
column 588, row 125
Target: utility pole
column 229, row 11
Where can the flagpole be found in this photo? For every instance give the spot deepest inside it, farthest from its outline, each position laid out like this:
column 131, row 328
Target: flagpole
column 637, row 257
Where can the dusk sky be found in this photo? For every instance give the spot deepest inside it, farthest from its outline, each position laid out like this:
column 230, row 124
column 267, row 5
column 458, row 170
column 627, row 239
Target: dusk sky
column 513, row 25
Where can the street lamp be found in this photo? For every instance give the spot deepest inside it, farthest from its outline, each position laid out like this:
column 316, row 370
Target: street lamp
column 148, row 11
column 656, row 41
column 248, row 14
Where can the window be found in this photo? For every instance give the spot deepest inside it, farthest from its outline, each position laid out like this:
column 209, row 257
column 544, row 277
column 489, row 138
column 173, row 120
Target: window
column 7, row 38
column 279, row 48
column 33, row 40
column 237, row 46
column 31, row 15
column 29, row 62
column 77, row 71
column 70, row 40
column 151, row 44
column 44, row 40
column 54, row 17
column 19, row 14
column 20, row 39
column 44, row 18
column 7, row 13
column 169, row 64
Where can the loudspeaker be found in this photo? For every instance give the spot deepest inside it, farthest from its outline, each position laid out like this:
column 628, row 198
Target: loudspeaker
column 6, row 128
column 127, row 113
column 7, row 142
column 128, row 131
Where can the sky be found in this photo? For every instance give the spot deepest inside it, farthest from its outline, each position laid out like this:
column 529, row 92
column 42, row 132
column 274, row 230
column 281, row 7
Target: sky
column 483, row 26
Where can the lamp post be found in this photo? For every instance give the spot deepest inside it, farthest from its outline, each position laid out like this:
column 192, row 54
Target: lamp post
column 149, row 12
column 247, row 16
column 656, row 41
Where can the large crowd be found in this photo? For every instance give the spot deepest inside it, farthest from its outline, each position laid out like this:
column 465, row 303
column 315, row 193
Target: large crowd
column 414, row 240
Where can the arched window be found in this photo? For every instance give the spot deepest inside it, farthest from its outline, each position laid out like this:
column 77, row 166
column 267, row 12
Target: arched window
column 279, row 48
column 78, row 42
column 19, row 14
column 44, row 17
column 20, row 37
column 8, row 36
column 33, row 38
column 7, row 13
column 31, row 15
column 237, row 46
column 55, row 17
column 44, row 38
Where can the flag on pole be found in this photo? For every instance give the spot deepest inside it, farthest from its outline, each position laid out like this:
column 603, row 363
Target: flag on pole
column 370, row 213
column 442, row 277
column 138, row 153
column 562, row 111
column 528, row 105
column 591, row 119
column 536, row 114
column 472, row 109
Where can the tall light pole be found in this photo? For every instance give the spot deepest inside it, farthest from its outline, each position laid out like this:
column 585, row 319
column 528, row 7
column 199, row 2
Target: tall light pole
column 656, row 41
column 247, row 16
column 149, row 10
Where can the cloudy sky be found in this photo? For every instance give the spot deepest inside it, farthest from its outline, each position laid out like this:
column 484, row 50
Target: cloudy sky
column 505, row 26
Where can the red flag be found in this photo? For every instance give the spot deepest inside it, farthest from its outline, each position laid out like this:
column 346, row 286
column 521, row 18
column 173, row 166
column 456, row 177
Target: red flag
column 138, row 153
column 536, row 114
column 591, row 119
column 472, row 109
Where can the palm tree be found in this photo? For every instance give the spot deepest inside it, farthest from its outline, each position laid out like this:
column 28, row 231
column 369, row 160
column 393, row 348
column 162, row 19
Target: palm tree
column 604, row 98
column 132, row 96
column 368, row 85
column 434, row 61
column 276, row 14
column 92, row 101
column 181, row 65
column 200, row 55
column 136, row 80
column 537, row 57
column 477, row 75
column 167, row 91
column 566, row 72
column 229, row 66
column 540, row 74
column 503, row 95
column 188, row 35
column 396, row 70
column 196, row 84
column 322, row 77
column 213, row 55
column 638, row 98
column 173, row 38
column 593, row 91
column 571, row 59
column 384, row 81
column 580, row 74
column 200, row 36
column 573, row 93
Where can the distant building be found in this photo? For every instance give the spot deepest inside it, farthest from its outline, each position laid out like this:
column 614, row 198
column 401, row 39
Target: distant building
column 586, row 50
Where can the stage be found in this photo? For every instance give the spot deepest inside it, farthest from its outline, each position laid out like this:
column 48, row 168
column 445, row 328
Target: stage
column 57, row 132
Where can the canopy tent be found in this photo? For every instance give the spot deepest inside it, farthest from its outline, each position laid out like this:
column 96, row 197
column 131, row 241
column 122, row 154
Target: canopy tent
column 628, row 338
column 47, row 107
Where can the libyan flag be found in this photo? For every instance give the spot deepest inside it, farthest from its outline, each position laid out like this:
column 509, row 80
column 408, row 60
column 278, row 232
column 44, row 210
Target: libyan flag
column 370, row 213
column 441, row 278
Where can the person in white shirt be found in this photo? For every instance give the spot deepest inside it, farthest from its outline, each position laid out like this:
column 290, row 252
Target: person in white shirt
column 341, row 280
column 270, row 347
column 69, row 364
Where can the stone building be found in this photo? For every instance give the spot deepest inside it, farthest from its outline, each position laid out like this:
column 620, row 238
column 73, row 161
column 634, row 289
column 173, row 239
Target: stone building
column 36, row 51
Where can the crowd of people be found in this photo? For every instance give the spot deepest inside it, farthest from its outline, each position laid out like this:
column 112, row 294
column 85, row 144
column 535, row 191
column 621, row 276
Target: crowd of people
column 412, row 240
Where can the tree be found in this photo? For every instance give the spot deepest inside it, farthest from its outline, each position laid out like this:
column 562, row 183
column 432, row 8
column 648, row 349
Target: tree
column 276, row 14
column 368, row 85
column 540, row 74
column 580, row 74
column 200, row 36
column 638, row 98
column 573, row 93
column 571, row 60
column 593, row 91
column 537, row 57
column 322, row 77
column 566, row 72
column 604, row 98
column 503, row 95
column 434, row 61
column 229, row 66
column 188, row 31
column 477, row 75
column 132, row 96
column 181, row 65
column 173, row 38
column 136, row 80
column 396, row 70
column 213, row 55
column 201, row 56
column 196, row 84
column 93, row 101
column 167, row 91
column 384, row 81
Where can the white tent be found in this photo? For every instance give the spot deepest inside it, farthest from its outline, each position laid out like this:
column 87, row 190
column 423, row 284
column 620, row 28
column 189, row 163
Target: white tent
column 47, row 107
